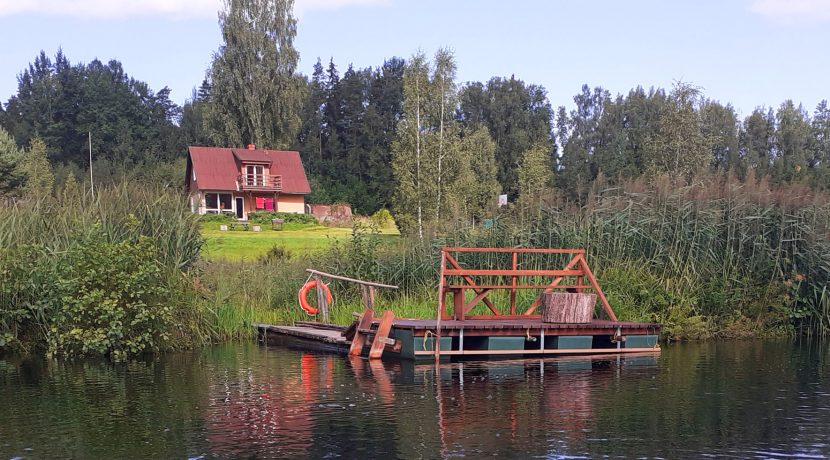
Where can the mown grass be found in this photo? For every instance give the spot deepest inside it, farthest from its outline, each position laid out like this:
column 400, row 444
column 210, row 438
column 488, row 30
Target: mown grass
column 238, row 245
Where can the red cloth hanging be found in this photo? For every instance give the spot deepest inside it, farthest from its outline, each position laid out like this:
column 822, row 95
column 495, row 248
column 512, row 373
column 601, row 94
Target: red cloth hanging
column 269, row 204
column 260, row 202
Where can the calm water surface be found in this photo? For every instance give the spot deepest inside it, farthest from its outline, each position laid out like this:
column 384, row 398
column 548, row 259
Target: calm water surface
column 728, row 399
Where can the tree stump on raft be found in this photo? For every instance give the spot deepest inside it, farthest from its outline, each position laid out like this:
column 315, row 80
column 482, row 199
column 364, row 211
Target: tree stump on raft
column 566, row 307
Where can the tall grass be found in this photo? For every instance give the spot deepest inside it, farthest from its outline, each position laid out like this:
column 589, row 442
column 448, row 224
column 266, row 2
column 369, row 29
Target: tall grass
column 34, row 234
column 717, row 257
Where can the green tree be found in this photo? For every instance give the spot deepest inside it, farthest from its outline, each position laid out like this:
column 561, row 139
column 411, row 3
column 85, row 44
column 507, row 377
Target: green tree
column 680, row 148
column 256, row 95
column 534, row 173
column 793, row 141
column 518, row 116
column 39, row 176
column 476, row 187
column 719, row 124
column 413, row 184
column 757, row 141
column 12, row 178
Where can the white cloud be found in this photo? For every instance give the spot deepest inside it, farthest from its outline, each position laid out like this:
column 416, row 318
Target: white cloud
column 170, row 8
column 793, row 10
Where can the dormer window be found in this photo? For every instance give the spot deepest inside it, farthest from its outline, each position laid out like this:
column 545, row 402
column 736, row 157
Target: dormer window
column 255, row 175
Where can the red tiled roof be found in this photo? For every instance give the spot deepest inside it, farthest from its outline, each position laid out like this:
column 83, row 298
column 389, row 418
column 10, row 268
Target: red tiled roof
column 217, row 168
column 253, row 156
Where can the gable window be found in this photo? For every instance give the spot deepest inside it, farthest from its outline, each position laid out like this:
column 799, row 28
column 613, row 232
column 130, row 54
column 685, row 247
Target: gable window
column 255, row 175
column 218, row 202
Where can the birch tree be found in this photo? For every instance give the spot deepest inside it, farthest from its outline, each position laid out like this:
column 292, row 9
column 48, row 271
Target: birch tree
column 407, row 149
column 256, row 93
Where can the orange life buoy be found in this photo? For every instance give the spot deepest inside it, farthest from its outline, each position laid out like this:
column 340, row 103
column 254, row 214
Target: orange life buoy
column 303, row 296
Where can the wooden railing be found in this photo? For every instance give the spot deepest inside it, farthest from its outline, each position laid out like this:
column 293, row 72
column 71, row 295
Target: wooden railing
column 259, row 182
column 457, row 280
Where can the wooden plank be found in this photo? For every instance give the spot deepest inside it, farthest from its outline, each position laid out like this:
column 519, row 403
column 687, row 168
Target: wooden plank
column 360, row 339
column 508, row 272
column 478, row 298
column 574, row 351
column 350, row 280
column 519, row 250
column 593, row 281
column 381, row 335
column 522, row 286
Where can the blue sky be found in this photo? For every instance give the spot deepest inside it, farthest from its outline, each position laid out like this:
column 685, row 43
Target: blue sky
column 747, row 52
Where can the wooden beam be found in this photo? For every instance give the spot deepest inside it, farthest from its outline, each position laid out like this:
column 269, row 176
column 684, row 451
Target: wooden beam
column 547, row 351
column 469, row 281
column 507, row 272
column 350, row 280
column 478, row 298
column 360, row 339
column 519, row 250
column 381, row 334
column 593, row 281
column 574, row 262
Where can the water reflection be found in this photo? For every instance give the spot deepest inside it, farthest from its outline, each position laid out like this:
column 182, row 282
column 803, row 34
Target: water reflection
column 729, row 399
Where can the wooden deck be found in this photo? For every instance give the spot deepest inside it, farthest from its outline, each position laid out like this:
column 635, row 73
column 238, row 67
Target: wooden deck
column 418, row 337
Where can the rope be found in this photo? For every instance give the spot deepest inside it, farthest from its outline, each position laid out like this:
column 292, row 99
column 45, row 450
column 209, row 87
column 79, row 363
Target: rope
column 427, row 334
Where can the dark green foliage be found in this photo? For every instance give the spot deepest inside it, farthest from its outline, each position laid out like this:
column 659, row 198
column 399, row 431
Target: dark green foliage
column 110, row 299
column 518, row 116
column 61, row 103
column 287, row 217
column 109, row 274
column 349, row 123
column 277, row 254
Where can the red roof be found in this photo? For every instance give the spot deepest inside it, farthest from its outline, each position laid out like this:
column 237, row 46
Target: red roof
column 218, row 168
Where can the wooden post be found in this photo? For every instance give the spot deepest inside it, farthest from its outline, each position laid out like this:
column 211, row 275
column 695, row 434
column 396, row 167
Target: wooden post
column 321, row 300
column 458, row 303
column 513, row 283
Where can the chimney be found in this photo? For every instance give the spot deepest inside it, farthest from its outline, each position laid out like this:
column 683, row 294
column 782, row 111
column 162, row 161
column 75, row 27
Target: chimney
column 251, row 146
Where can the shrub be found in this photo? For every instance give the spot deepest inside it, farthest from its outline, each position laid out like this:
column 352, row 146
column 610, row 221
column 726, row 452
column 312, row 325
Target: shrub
column 275, row 254
column 109, row 299
column 219, row 218
column 288, row 217
column 383, row 219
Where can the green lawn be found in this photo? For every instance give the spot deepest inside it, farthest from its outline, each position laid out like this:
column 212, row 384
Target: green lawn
column 239, row 244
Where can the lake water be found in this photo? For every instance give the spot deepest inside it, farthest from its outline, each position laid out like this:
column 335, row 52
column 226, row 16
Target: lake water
column 757, row 399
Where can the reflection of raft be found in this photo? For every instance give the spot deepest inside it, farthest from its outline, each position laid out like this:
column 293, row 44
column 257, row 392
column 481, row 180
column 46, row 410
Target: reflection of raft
column 513, row 330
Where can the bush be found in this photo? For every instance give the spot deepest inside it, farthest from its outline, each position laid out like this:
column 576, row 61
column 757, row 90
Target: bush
column 110, row 299
column 383, row 219
column 275, row 254
column 220, row 218
column 288, row 217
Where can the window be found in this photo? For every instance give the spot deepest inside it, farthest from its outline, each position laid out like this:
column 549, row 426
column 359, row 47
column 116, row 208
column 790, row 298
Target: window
column 255, row 175
column 218, row 202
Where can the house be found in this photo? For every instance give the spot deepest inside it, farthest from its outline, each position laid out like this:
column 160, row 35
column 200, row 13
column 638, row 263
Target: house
column 239, row 181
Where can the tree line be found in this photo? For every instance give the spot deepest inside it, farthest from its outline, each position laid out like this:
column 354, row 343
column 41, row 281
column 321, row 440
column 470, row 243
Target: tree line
column 404, row 135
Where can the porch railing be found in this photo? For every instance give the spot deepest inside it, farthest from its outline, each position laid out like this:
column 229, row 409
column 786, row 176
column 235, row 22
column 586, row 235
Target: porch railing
column 260, row 182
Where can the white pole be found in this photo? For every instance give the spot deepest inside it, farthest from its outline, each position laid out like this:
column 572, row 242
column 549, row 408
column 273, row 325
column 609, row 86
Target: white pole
column 91, row 183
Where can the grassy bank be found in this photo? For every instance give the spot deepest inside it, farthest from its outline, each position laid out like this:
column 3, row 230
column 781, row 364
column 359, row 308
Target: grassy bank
column 717, row 258
column 126, row 271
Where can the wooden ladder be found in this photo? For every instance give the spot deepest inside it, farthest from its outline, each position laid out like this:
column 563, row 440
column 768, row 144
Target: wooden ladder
column 364, row 332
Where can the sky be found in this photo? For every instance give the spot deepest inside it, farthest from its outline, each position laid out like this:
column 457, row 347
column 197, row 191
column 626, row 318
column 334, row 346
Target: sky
column 745, row 52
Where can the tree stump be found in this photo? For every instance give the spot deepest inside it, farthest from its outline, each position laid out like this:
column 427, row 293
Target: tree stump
column 566, row 307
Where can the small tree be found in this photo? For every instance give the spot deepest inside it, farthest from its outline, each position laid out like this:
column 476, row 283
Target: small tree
column 535, row 173
column 12, row 177
column 39, row 176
